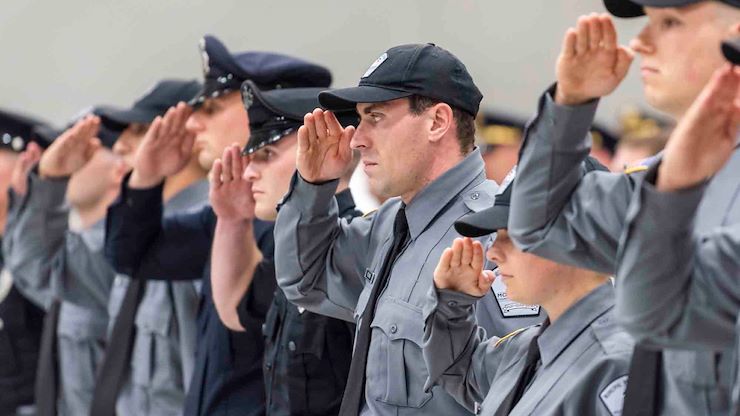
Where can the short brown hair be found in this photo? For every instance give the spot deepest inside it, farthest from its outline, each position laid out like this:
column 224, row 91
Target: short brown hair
column 465, row 123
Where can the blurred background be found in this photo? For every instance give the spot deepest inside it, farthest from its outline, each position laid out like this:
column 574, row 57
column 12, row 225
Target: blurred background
column 60, row 57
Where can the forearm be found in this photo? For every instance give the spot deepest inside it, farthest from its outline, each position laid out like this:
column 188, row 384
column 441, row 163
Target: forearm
column 690, row 299
column 234, row 258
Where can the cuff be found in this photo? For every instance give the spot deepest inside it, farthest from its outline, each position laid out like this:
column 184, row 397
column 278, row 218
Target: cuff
column 570, row 123
column 315, row 199
column 47, row 193
column 140, row 200
column 668, row 210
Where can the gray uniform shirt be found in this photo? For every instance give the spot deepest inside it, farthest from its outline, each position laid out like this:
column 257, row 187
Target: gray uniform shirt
column 560, row 214
column 163, row 355
column 45, row 255
column 584, row 358
column 683, row 248
column 328, row 266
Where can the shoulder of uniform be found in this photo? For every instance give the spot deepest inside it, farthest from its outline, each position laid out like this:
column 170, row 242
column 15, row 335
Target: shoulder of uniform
column 480, row 196
column 509, row 336
column 610, row 335
column 642, row 165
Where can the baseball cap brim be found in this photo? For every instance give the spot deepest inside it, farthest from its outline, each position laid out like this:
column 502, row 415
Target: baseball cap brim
column 634, row 8
column 483, row 222
column 119, row 118
column 731, row 50
column 347, row 98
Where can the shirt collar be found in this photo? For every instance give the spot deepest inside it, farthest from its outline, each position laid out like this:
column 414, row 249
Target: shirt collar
column 436, row 196
column 561, row 333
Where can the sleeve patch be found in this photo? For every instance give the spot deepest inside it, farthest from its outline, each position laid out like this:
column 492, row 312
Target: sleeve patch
column 613, row 396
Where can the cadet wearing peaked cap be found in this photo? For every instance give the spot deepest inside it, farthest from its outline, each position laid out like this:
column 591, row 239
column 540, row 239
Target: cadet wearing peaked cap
column 531, row 371
column 20, row 319
column 227, row 374
column 307, row 356
column 151, row 323
column 376, row 270
column 559, row 214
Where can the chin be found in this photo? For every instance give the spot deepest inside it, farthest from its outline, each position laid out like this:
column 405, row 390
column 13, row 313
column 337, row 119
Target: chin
column 264, row 213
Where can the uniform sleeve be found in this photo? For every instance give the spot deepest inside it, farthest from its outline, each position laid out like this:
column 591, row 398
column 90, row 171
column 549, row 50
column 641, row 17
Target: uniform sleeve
column 141, row 244
column 38, row 225
column 257, row 300
column 320, row 255
column 557, row 212
column 457, row 355
column 676, row 288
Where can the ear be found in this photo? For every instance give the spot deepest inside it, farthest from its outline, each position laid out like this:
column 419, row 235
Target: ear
column 442, row 121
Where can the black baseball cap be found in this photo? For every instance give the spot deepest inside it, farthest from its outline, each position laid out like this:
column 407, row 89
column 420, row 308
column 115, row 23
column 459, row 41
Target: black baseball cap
column 16, row 130
column 224, row 71
column 156, row 102
column 634, row 8
column 731, row 49
column 495, row 218
column 277, row 113
column 416, row 69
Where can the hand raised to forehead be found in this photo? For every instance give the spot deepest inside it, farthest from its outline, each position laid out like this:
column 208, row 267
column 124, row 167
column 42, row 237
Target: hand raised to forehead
column 165, row 149
column 704, row 139
column 71, row 150
column 26, row 162
column 591, row 63
column 323, row 147
column 460, row 268
column 230, row 194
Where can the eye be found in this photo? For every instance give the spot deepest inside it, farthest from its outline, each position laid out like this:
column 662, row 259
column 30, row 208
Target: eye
column 669, row 22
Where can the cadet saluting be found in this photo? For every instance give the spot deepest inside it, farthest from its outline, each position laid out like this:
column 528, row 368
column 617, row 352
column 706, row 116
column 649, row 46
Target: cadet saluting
column 560, row 214
column 415, row 139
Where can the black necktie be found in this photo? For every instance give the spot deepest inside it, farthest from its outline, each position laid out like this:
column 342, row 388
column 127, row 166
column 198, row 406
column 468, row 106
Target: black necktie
column 46, row 372
column 353, row 394
column 640, row 397
column 114, row 368
column 530, row 368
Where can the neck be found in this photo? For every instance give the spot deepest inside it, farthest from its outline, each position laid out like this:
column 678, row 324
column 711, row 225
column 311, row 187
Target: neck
column 343, row 185
column 570, row 292
column 192, row 173
column 440, row 163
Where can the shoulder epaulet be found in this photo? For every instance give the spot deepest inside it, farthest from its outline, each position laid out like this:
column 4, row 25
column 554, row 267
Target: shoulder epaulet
column 643, row 164
column 369, row 213
column 509, row 336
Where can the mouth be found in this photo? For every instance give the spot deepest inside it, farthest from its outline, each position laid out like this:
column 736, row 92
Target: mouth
column 648, row 70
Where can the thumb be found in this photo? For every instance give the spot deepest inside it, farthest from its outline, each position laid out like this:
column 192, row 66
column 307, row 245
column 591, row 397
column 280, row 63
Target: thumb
column 485, row 280
column 625, row 56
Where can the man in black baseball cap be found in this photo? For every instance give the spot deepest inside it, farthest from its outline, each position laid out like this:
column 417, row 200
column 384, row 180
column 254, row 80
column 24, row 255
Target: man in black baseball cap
column 634, row 8
column 227, row 372
column 297, row 379
column 417, row 105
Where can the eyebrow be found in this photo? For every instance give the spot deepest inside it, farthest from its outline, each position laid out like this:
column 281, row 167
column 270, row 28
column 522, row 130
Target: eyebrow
column 372, row 107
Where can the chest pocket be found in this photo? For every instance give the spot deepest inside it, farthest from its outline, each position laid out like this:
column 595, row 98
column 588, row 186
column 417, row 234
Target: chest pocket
column 155, row 359
column 396, row 371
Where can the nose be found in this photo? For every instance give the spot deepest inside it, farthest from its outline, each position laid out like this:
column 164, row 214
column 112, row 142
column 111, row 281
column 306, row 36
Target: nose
column 642, row 43
column 194, row 124
column 495, row 253
column 251, row 173
column 359, row 139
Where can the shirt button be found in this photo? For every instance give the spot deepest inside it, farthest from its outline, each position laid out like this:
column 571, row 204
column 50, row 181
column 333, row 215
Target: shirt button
column 452, row 303
column 394, row 329
column 291, row 346
column 268, row 365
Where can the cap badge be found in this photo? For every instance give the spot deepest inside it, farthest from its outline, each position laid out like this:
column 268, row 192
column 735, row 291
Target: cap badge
column 375, row 65
column 204, row 56
column 247, row 95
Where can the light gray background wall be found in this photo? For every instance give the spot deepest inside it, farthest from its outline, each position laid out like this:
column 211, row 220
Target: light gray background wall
column 61, row 56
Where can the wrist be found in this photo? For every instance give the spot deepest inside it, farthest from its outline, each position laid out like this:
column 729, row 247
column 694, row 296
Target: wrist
column 565, row 98
column 138, row 181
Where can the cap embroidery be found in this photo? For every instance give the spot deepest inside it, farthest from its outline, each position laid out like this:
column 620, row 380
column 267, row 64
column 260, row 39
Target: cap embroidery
column 375, row 65
column 204, row 56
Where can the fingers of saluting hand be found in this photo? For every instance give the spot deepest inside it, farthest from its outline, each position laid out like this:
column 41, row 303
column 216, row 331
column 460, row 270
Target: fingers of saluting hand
column 215, row 178
column 321, row 129
column 236, row 162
